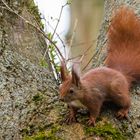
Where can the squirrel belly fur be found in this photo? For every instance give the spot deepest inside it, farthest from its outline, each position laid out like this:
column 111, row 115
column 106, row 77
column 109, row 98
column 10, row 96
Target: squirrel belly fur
column 110, row 83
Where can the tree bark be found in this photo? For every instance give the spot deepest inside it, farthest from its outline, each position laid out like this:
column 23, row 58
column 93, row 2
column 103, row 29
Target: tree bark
column 26, row 89
column 100, row 54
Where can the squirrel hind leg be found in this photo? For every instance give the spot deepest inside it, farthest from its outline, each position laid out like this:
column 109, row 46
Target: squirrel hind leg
column 121, row 98
column 122, row 113
column 123, row 101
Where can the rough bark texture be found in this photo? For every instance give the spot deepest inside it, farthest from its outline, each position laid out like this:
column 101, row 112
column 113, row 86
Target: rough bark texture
column 100, row 55
column 25, row 95
column 29, row 106
column 26, row 89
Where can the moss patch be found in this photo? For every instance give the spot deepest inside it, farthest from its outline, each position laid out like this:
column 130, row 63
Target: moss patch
column 50, row 134
column 105, row 130
column 38, row 136
column 37, row 97
column 33, row 9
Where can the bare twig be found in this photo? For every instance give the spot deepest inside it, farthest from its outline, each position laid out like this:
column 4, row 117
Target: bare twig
column 69, row 59
column 47, row 50
column 58, row 36
column 83, row 43
column 84, row 53
column 82, row 57
column 89, row 61
column 73, row 34
column 37, row 28
column 58, row 20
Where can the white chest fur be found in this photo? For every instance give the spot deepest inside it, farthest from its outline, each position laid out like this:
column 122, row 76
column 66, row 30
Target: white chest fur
column 77, row 104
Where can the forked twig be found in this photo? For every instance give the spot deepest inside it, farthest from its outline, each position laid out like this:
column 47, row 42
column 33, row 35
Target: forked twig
column 84, row 53
column 58, row 20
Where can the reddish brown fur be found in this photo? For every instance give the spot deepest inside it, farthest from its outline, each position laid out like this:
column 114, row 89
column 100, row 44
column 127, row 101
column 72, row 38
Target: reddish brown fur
column 124, row 44
column 112, row 83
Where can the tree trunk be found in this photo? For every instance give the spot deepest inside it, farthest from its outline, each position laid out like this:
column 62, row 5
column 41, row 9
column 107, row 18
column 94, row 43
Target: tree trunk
column 100, row 55
column 26, row 89
column 88, row 14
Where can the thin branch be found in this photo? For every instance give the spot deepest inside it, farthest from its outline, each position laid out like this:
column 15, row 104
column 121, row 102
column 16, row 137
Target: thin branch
column 58, row 36
column 82, row 57
column 69, row 59
column 89, row 61
column 84, row 53
column 73, row 34
column 45, row 52
column 54, row 32
column 46, row 42
column 58, row 20
column 83, row 43
column 37, row 28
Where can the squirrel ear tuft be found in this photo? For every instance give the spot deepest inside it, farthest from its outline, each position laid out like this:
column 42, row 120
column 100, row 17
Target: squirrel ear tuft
column 63, row 71
column 75, row 75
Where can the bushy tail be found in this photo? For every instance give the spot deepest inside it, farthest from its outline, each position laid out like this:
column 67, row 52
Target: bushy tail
column 124, row 44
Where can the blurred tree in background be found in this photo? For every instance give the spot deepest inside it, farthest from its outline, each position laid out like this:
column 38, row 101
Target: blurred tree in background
column 85, row 23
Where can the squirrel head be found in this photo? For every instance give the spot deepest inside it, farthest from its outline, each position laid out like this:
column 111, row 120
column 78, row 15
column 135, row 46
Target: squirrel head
column 71, row 88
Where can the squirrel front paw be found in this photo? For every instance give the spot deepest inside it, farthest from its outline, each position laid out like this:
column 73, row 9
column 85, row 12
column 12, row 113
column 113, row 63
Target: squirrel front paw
column 70, row 119
column 91, row 121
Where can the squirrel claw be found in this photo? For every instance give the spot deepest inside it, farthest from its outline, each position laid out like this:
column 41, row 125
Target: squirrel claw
column 91, row 122
column 122, row 114
column 70, row 120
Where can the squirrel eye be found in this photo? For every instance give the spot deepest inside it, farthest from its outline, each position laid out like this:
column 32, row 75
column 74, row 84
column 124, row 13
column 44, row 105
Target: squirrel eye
column 71, row 91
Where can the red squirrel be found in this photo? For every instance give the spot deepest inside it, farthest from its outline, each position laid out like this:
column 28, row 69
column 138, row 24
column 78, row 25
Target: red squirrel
column 109, row 83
